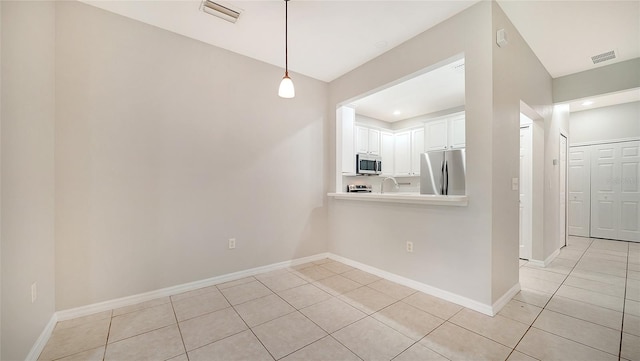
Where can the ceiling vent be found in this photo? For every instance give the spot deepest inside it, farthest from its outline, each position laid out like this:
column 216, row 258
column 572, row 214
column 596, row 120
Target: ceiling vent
column 603, row 57
column 225, row 11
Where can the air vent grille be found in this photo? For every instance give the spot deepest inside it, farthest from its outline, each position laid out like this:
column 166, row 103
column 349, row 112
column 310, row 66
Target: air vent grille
column 603, row 57
column 225, row 12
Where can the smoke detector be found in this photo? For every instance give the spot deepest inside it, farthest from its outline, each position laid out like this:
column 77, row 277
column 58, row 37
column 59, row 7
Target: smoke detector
column 609, row 55
column 221, row 10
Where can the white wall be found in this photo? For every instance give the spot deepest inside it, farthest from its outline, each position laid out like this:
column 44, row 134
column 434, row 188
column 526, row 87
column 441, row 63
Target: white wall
column 165, row 148
column 607, row 123
column 559, row 122
column 27, row 141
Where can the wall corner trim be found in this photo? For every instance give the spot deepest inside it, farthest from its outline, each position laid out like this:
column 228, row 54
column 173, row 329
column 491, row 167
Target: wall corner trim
column 42, row 340
column 504, row 299
column 430, row 290
column 547, row 261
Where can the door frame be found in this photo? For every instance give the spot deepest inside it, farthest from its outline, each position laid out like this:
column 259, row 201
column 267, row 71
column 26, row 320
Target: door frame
column 563, row 217
column 528, row 245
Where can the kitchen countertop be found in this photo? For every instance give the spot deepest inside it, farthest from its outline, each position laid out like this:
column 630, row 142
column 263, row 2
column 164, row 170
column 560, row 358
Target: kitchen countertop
column 410, row 198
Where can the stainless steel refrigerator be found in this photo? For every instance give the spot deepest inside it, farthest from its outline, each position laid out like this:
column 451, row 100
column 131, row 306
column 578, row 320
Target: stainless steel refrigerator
column 443, row 172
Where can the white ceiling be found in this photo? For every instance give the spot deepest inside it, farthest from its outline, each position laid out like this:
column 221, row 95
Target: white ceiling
column 439, row 89
column 627, row 96
column 326, row 38
column 329, row 38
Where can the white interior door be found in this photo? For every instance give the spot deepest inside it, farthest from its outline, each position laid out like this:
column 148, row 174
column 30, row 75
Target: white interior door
column 629, row 226
column 563, row 191
column 579, row 191
column 526, row 221
column 604, row 202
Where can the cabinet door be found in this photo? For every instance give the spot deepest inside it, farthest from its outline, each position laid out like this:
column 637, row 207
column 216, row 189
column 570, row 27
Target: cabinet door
column 387, row 152
column 374, row 141
column 402, row 154
column 437, row 132
column 347, row 117
column 362, row 140
column 417, row 147
column 457, row 132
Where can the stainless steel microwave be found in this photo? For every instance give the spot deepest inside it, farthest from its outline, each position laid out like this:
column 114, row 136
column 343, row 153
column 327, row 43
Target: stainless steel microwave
column 368, row 164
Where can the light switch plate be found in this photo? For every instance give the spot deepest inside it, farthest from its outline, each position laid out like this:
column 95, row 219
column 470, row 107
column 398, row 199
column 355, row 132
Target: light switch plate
column 515, row 182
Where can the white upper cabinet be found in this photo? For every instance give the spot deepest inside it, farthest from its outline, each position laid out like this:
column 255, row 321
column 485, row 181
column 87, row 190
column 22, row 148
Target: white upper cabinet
column 446, row 133
column 437, row 134
column 367, row 140
column 374, row 141
column 409, row 144
column 402, row 155
column 346, row 118
column 387, row 144
column 457, row 132
column 417, row 147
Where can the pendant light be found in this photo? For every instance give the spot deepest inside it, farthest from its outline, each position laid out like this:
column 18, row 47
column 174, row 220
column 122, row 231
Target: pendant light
column 286, row 89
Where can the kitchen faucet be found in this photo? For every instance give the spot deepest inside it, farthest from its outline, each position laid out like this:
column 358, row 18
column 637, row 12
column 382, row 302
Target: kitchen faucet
column 382, row 184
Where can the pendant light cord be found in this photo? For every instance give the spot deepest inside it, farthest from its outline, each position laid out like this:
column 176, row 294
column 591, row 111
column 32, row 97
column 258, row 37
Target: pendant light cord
column 286, row 38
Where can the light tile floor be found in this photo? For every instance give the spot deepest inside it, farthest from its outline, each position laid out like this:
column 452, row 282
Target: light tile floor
column 584, row 306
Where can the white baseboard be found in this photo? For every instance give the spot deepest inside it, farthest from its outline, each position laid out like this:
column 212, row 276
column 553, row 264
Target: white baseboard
column 430, row 290
column 41, row 342
column 174, row 290
column 547, row 261
column 502, row 301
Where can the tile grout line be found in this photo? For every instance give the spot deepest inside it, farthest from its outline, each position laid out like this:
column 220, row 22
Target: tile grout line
column 547, row 303
column 245, row 322
column 179, row 329
column 298, row 310
column 624, row 304
column 106, row 342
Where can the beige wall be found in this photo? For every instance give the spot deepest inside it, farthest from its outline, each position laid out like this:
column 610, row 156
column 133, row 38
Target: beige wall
column 165, row 148
column 607, row 79
column 518, row 76
column 27, row 139
column 452, row 258
column 607, row 123
column 477, row 261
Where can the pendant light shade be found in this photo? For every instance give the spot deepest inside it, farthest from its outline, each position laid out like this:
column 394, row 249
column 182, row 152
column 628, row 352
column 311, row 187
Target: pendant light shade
column 286, row 89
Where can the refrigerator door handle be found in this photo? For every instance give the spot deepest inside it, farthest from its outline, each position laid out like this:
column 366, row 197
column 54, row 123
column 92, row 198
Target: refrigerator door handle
column 446, row 178
column 442, row 178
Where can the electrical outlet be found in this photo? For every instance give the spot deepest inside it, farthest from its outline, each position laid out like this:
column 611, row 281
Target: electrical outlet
column 409, row 247
column 232, row 243
column 34, row 292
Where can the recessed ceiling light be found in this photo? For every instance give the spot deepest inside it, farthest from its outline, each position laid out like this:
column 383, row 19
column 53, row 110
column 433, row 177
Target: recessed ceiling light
column 587, row 103
column 397, row 112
